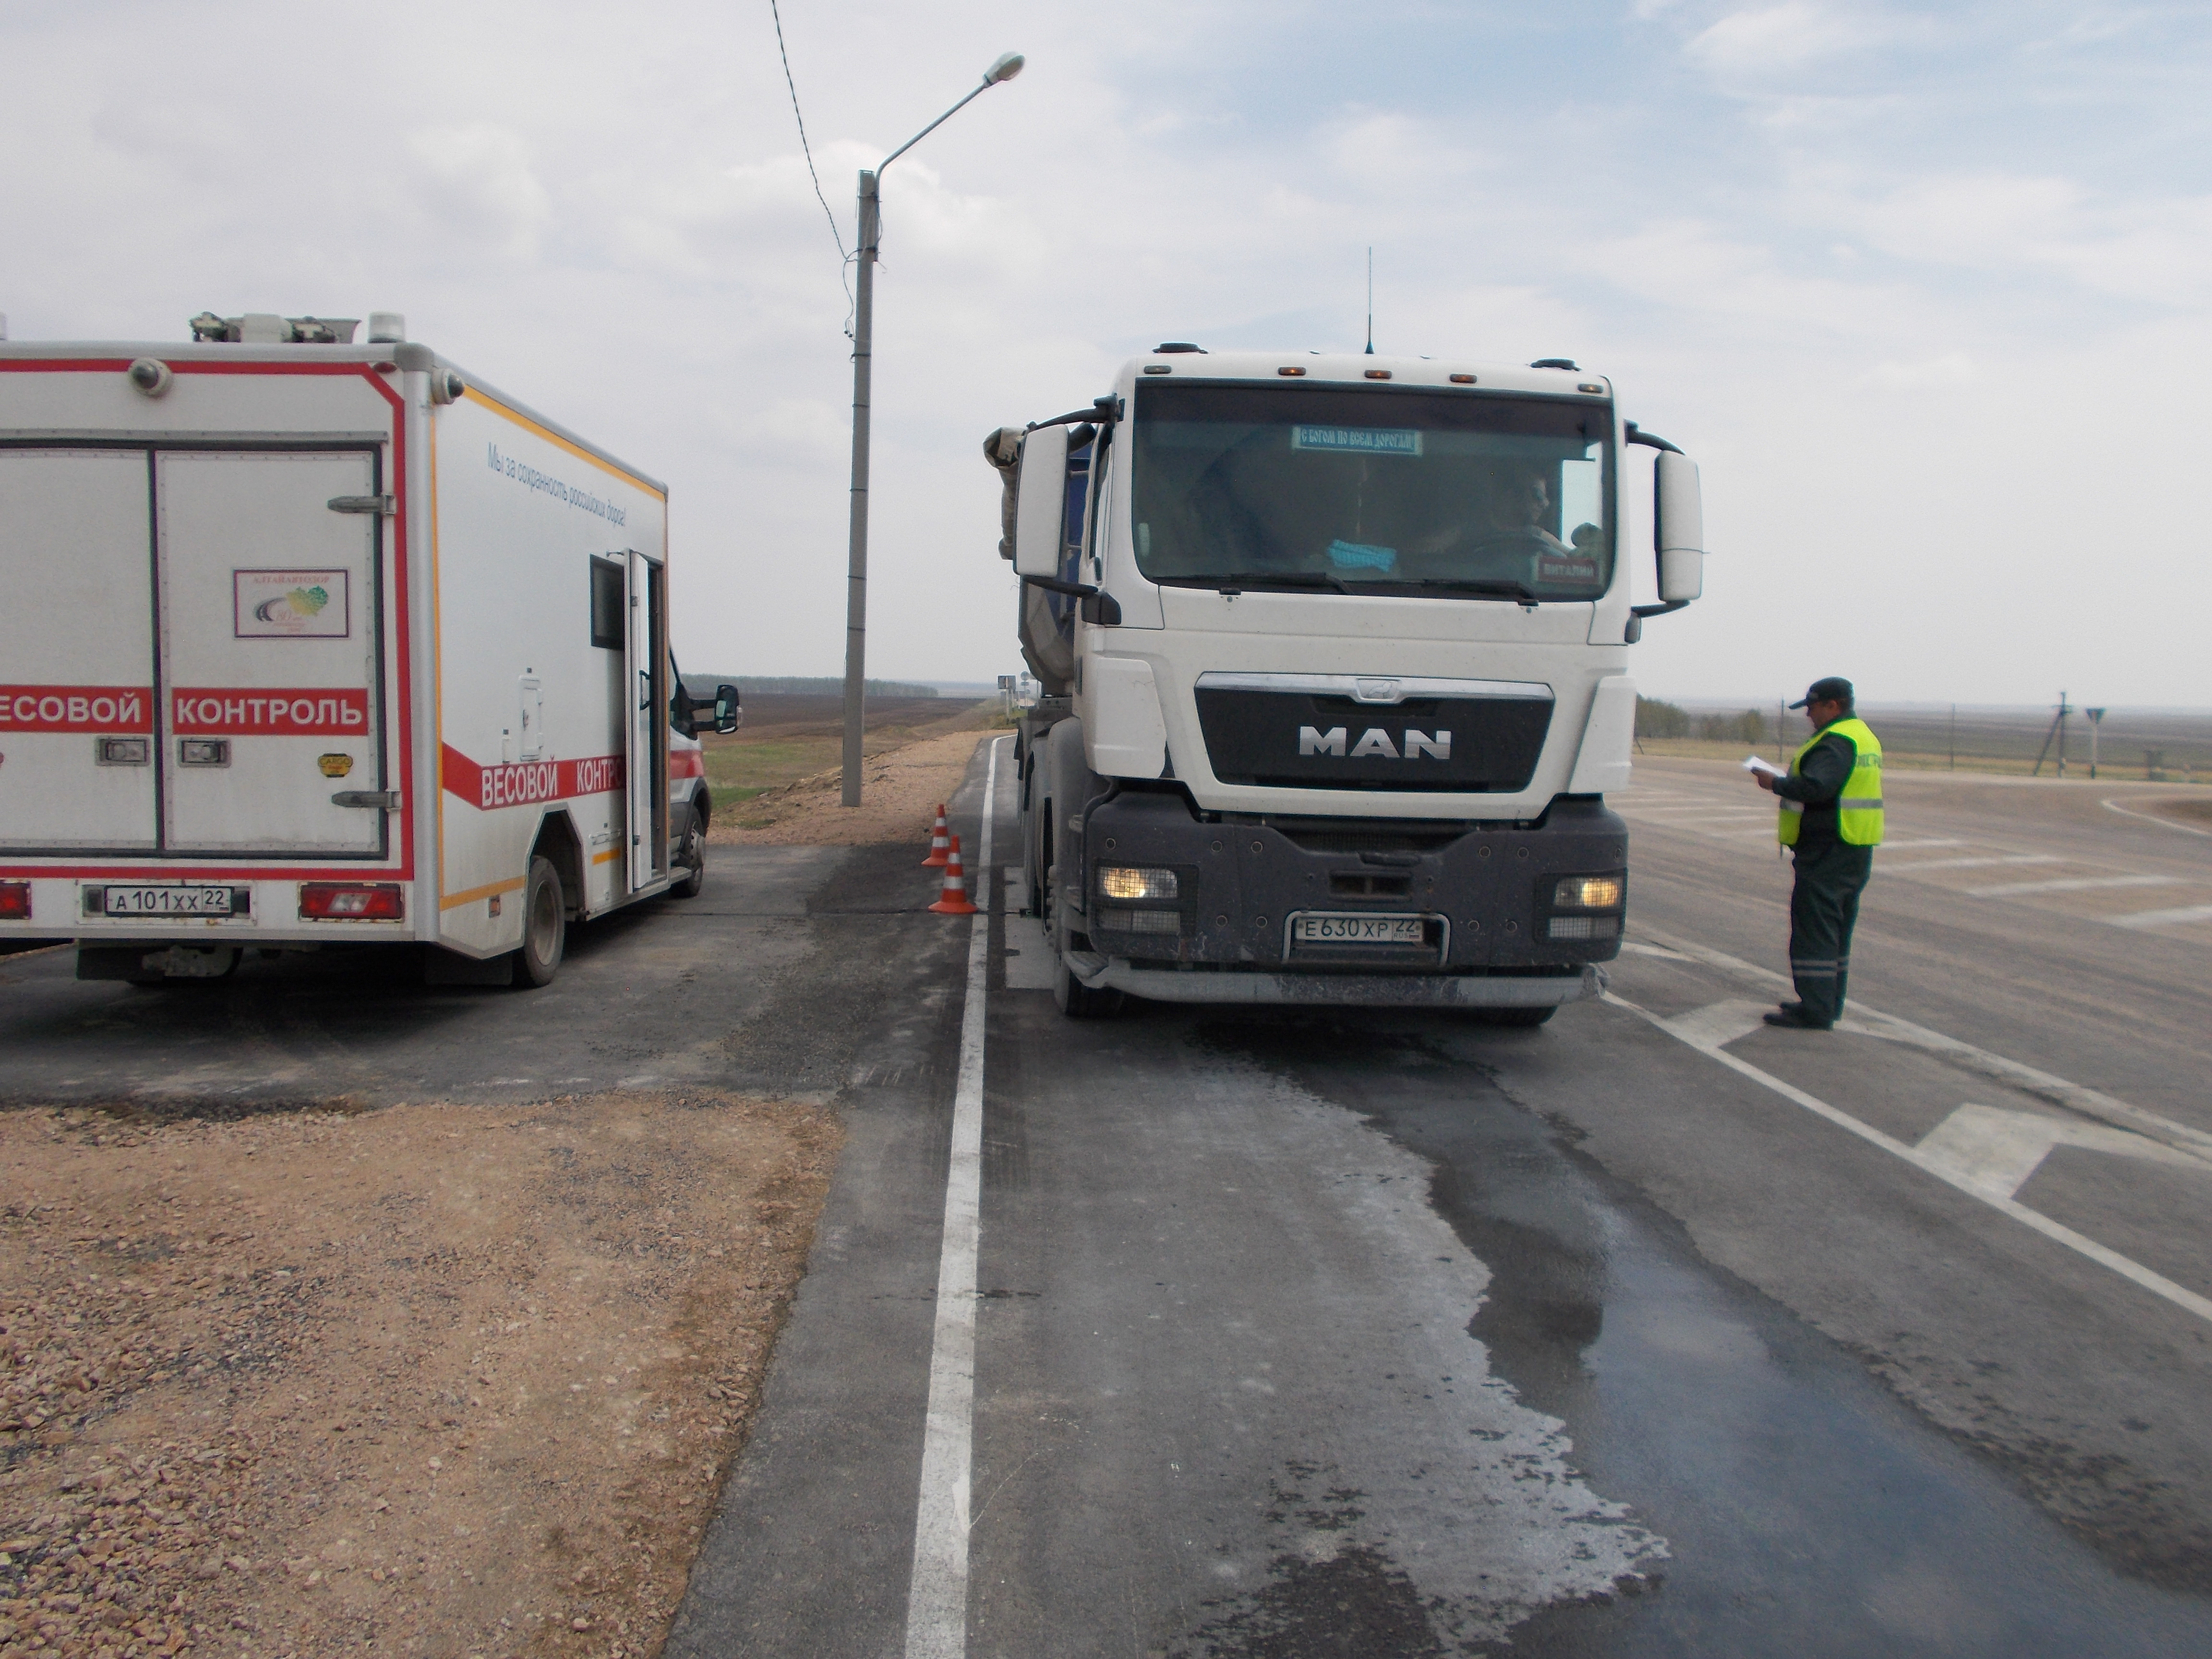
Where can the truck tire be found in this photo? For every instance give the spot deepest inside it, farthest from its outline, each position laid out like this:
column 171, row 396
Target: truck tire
column 544, row 926
column 690, row 855
column 1515, row 1019
column 1078, row 1000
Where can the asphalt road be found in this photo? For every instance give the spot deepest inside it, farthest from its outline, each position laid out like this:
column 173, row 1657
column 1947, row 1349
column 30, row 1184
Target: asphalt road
column 1651, row 1332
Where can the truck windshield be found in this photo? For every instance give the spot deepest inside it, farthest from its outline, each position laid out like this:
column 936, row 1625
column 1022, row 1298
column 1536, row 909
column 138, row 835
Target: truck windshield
column 1355, row 490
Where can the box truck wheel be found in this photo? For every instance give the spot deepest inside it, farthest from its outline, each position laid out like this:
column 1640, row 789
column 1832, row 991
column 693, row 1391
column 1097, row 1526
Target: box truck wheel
column 690, row 855
column 545, row 928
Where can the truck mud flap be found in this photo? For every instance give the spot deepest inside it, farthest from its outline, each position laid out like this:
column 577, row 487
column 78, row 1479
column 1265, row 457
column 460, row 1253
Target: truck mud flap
column 1344, row 990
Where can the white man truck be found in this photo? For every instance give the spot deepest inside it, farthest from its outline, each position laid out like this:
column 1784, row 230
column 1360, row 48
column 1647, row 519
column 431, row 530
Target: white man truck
column 310, row 643
column 1334, row 656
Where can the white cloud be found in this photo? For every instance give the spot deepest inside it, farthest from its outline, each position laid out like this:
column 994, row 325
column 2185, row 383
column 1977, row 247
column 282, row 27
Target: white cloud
column 1771, row 39
column 1952, row 369
column 477, row 179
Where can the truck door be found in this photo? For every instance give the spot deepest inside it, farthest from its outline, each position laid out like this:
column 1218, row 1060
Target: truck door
column 77, row 760
column 645, row 742
column 271, row 688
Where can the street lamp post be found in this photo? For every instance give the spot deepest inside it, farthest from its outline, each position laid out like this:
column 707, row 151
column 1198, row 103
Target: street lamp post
column 864, row 303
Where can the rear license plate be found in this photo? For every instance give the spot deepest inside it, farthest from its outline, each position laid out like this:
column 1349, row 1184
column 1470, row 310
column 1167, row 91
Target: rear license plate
column 1358, row 930
column 168, row 901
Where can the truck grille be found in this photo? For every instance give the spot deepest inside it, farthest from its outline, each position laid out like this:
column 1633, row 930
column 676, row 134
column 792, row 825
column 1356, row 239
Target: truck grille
column 1322, row 739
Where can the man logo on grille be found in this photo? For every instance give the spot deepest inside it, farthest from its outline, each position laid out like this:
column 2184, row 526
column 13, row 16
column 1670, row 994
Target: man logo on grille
column 1375, row 742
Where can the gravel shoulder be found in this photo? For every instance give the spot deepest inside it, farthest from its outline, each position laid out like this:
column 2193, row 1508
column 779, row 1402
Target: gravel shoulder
column 434, row 1379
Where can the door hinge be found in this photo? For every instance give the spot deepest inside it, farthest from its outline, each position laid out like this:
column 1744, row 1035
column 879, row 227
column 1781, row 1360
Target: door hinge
column 387, row 505
column 388, row 799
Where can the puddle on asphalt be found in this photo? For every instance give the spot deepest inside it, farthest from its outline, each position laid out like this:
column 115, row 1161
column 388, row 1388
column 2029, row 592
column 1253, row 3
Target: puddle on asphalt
column 1808, row 1510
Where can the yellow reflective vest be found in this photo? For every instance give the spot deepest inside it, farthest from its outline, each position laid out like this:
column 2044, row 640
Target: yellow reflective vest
column 1858, row 808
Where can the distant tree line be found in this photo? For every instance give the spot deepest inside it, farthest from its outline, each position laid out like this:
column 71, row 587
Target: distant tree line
column 1655, row 719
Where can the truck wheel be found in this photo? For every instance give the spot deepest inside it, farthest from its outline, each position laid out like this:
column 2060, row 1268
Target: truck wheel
column 690, row 856
column 1078, row 1000
column 545, row 928
column 1515, row 1019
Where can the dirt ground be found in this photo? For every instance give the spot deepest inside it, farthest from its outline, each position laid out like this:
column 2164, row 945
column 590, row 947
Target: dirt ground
column 900, row 791
column 432, row 1380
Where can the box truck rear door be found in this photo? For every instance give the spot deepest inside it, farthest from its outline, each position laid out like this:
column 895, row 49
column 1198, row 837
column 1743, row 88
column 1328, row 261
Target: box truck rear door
column 645, row 741
column 271, row 652
column 77, row 765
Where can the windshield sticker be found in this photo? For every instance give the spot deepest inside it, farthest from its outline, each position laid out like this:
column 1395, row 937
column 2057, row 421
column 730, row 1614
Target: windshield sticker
column 1551, row 567
column 291, row 604
column 1356, row 555
column 1357, row 440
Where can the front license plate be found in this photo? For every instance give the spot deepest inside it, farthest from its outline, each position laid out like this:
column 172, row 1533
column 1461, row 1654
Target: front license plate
column 168, row 901
column 1358, row 930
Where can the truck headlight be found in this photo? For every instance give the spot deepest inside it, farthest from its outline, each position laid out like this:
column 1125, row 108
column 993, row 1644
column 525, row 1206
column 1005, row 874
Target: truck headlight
column 1121, row 882
column 1587, row 893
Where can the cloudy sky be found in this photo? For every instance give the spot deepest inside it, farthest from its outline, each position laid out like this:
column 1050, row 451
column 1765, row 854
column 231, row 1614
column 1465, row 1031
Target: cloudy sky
column 1927, row 292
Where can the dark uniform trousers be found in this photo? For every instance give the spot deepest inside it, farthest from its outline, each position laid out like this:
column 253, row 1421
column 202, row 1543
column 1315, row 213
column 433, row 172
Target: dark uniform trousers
column 1824, row 907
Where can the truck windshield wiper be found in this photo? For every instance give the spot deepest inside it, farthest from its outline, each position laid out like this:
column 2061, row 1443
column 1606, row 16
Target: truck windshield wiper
column 1504, row 589
column 1241, row 579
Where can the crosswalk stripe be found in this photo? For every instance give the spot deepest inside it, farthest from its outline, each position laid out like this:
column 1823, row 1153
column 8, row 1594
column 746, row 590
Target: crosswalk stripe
column 2077, row 884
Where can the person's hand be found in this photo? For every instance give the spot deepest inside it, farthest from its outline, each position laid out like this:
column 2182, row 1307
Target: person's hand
column 1765, row 781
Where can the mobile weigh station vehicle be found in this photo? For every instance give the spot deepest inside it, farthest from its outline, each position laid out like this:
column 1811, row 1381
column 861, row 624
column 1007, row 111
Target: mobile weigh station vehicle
column 310, row 643
column 1334, row 656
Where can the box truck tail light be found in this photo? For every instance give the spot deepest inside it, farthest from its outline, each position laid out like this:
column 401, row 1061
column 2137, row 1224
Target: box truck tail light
column 350, row 901
column 14, row 901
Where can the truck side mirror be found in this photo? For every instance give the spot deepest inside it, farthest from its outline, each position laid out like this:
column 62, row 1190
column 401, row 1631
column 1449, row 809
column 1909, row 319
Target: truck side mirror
column 728, row 715
column 1041, row 503
column 1678, row 521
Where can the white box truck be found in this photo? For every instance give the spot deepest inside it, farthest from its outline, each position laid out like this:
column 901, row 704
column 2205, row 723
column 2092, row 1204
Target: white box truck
column 309, row 642
column 1333, row 652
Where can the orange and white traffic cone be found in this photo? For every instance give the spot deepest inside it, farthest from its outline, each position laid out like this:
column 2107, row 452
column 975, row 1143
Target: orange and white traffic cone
column 938, row 842
column 953, row 901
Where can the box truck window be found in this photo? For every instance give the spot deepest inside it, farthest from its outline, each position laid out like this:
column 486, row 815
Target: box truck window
column 607, row 604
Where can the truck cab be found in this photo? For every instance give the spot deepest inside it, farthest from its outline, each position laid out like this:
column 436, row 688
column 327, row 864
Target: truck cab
column 1335, row 661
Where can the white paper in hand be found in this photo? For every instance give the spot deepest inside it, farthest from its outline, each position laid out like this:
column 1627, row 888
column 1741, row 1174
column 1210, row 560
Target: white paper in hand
column 1754, row 763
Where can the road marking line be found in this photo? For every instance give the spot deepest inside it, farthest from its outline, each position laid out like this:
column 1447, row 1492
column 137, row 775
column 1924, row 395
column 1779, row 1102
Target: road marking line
column 1974, row 864
column 1899, row 845
column 2162, row 918
column 937, row 1594
column 2072, row 885
column 2152, row 817
column 1937, row 1165
column 1719, row 1024
column 1888, row 1027
column 1999, row 1150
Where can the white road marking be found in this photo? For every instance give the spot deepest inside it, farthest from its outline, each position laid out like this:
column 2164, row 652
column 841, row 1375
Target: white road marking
column 2075, row 884
column 1720, row 1024
column 1638, row 948
column 1974, row 864
column 2152, row 817
column 1868, row 1022
column 1029, row 954
column 937, row 1595
column 2162, row 918
column 1997, row 1151
column 1935, row 1165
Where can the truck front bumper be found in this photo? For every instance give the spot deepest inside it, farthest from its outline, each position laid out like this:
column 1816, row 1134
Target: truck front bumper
column 1275, row 911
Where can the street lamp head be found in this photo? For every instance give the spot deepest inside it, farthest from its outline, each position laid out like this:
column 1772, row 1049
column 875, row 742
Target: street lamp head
column 1008, row 66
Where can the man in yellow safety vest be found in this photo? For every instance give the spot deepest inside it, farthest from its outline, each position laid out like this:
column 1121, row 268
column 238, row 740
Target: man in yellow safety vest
column 1830, row 801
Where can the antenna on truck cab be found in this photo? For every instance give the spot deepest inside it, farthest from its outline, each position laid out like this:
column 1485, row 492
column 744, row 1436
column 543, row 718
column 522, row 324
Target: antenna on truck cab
column 1371, row 301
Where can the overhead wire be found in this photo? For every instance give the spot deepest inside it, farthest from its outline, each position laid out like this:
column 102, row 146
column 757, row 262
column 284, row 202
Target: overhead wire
column 845, row 260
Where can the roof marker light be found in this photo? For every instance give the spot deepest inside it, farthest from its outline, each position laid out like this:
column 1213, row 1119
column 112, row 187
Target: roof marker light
column 1462, row 379
column 1378, row 373
column 1293, row 370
